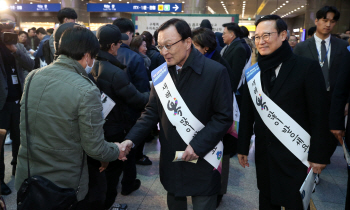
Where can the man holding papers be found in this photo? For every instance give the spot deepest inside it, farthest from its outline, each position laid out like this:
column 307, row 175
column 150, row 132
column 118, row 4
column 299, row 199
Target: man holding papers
column 191, row 96
column 284, row 99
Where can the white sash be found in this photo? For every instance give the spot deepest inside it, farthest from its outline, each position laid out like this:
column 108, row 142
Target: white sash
column 187, row 125
column 286, row 130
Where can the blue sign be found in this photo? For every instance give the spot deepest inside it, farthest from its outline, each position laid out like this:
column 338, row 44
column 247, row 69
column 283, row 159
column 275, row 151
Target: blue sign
column 35, row 7
column 135, row 7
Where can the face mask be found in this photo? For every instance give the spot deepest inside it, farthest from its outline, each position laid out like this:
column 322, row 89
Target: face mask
column 89, row 68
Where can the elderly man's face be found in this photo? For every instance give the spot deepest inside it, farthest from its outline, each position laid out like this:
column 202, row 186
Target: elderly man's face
column 178, row 51
column 267, row 39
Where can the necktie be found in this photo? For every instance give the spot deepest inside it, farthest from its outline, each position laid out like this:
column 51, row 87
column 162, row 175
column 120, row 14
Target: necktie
column 324, row 59
column 178, row 74
column 32, row 42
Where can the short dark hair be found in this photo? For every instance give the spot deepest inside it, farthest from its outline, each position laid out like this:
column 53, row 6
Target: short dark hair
column 40, row 30
column 244, row 31
column 136, row 42
column 322, row 13
column 311, row 31
column 34, row 29
column 233, row 27
column 50, row 30
column 23, row 32
column 77, row 41
column 206, row 24
column 155, row 36
column 204, row 37
column 181, row 26
column 280, row 24
column 148, row 38
column 124, row 25
column 66, row 13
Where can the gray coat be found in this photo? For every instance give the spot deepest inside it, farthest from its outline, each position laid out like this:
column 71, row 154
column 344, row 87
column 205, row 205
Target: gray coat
column 23, row 63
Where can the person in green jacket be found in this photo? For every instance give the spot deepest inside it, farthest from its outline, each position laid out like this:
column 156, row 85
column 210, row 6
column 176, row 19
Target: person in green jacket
column 65, row 117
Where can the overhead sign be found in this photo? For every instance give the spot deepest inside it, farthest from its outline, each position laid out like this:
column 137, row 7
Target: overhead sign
column 152, row 22
column 134, row 7
column 35, row 7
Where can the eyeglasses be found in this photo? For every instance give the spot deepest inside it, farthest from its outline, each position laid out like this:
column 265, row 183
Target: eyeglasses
column 265, row 36
column 167, row 47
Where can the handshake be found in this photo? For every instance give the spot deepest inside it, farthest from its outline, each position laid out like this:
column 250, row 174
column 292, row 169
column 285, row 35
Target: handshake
column 124, row 149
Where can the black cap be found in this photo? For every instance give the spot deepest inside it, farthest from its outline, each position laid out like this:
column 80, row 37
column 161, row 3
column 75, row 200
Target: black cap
column 59, row 31
column 108, row 34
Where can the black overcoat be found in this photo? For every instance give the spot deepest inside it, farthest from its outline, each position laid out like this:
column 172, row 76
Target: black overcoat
column 299, row 90
column 205, row 87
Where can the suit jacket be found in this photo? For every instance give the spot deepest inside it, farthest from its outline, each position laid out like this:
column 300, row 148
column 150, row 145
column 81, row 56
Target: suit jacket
column 23, row 62
column 299, row 90
column 212, row 107
column 338, row 48
column 235, row 55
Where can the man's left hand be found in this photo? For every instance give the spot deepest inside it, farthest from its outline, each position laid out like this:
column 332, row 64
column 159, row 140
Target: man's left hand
column 317, row 168
column 189, row 154
column 32, row 52
column 12, row 48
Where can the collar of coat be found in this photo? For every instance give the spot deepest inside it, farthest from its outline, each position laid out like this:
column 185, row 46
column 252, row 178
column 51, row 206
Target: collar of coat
column 65, row 60
column 105, row 56
column 195, row 61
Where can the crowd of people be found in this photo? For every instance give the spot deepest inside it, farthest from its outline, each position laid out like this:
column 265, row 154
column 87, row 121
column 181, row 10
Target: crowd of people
column 55, row 83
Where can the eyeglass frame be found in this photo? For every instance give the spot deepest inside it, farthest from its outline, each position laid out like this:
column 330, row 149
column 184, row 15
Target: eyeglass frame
column 169, row 46
column 267, row 39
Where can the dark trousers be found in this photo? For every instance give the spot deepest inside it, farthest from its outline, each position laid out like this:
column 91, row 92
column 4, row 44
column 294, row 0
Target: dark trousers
column 9, row 120
column 139, row 151
column 96, row 196
column 265, row 204
column 113, row 172
column 199, row 202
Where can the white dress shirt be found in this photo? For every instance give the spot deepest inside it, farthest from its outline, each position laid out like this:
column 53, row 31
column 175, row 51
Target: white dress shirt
column 318, row 47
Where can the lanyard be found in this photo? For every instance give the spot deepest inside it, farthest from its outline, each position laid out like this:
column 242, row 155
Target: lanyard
column 318, row 54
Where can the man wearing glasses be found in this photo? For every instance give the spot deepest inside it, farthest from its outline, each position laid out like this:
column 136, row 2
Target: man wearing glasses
column 205, row 91
column 293, row 41
column 288, row 90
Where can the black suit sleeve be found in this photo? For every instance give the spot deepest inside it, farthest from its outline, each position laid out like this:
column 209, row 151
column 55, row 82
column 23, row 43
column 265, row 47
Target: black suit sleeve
column 315, row 94
column 147, row 121
column 340, row 96
column 246, row 122
column 237, row 64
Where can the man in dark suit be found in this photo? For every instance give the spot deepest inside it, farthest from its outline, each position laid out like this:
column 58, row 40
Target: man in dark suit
column 327, row 50
column 191, row 72
column 234, row 52
column 13, row 61
column 296, row 85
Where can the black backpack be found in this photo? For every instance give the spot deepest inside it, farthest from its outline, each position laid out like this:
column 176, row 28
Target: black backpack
column 47, row 52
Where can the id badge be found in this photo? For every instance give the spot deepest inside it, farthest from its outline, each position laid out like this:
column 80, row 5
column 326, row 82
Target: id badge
column 14, row 79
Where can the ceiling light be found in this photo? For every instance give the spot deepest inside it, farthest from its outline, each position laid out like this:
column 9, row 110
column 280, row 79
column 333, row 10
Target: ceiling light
column 302, row 6
column 278, row 8
column 281, row 6
column 284, row 4
column 243, row 1
column 127, row 2
column 15, row 2
column 145, row 12
column 31, row 2
column 109, row 2
column 182, row 11
column 222, row 2
column 287, row 2
column 298, row 7
column 162, row 2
